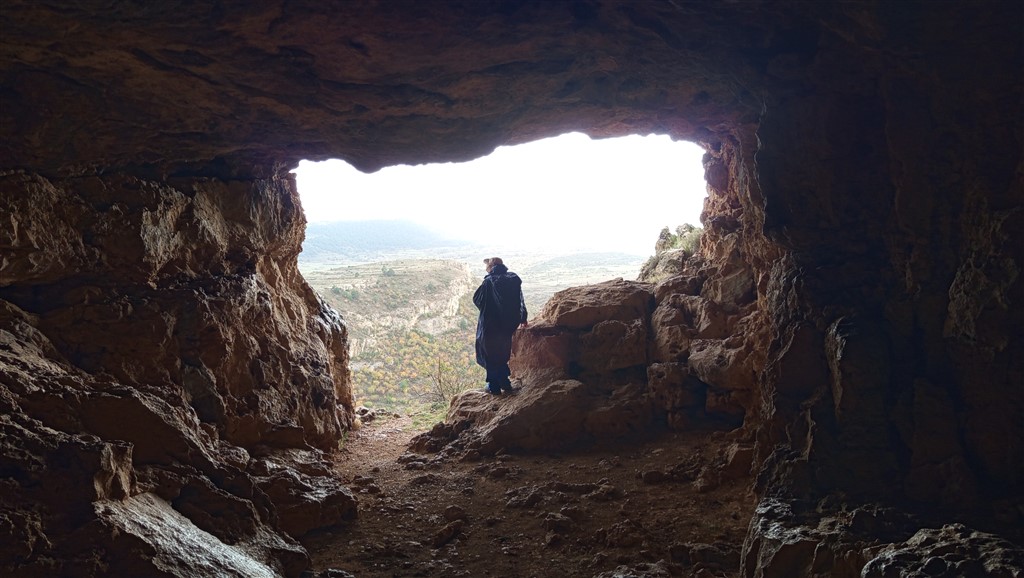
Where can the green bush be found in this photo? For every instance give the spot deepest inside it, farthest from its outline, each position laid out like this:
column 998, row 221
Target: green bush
column 688, row 238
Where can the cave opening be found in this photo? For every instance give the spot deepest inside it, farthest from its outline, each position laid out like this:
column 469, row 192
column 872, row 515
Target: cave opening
column 398, row 252
column 565, row 191
column 170, row 384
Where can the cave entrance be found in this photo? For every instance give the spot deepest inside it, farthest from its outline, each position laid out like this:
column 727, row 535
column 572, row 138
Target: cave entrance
column 398, row 252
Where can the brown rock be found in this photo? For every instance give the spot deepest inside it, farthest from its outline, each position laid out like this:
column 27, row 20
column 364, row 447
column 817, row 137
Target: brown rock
column 672, row 334
column 738, row 460
column 624, row 534
column 543, row 352
column 585, row 307
column 307, row 502
column 453, row 513
column 628, row 412
column 721, row 366
column 953, row 550
column 938, row 469
column 731, row 289
column 556, row 523
column 674, row 388
column 541, row 416
column 728, row 405
column 174, row 543
column 612, row 345
column 685, row 284
column 447, row 533
column 653, row 476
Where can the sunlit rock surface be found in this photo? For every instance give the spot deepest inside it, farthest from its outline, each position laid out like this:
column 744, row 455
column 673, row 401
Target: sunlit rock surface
column 859, row 276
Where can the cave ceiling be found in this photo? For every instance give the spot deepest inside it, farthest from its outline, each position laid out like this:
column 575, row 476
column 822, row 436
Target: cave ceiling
column 195, row 88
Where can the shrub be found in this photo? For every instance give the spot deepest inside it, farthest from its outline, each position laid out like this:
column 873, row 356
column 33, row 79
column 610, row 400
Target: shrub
column 447, row 382
column 688, row 238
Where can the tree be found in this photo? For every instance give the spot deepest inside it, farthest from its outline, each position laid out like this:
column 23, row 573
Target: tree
column 447, row 382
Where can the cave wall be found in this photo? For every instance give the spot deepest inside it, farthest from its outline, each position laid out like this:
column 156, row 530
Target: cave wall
column 161, row 349
column 191, row 282
column 905, row 201
column 864, row 167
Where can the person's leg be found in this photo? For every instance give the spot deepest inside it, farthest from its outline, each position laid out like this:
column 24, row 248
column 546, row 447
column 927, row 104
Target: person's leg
column 499, row 349
column 482, row 360
column 498, row 375
column 495, row 377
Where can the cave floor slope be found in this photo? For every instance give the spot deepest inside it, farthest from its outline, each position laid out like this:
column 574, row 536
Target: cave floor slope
column 643, row 508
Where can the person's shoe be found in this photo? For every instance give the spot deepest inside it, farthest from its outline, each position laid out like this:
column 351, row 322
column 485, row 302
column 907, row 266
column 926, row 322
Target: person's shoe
column 507, row 388
column 492, row 390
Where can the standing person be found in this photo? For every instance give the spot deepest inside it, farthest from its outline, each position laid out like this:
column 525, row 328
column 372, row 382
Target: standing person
column 502, row 310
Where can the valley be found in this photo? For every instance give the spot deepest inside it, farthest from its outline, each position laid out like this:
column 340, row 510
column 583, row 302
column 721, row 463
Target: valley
column 409, row 312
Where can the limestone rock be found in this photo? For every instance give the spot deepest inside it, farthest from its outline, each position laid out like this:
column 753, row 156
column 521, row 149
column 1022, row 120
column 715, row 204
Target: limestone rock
column 613, row 345
column 953, row 550
column 544, row 352
column 672, row 335
column 674, row 388
column 663, row 265
column 153, row 328
column 447, row 533
column 679, row 319
column 543, row 417
column 716, row 363
column 540, row 416
column 308, row 502
column 584, row 307
column 175, row 547
column 689, row 283
column 873, row 541
column 731, row 289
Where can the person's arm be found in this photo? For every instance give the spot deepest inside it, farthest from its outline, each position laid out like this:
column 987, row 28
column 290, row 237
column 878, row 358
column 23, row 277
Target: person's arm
column 480, row 297
column 522, row 310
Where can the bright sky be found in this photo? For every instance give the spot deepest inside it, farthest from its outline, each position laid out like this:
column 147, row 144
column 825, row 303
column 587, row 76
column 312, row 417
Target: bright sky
column 569, row 192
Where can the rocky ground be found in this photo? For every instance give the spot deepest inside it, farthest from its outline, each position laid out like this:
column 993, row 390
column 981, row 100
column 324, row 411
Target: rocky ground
column 657, row 507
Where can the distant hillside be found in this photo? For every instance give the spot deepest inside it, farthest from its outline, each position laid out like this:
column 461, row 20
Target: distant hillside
column 407, row 320
column 354, row 240
column 423, row 294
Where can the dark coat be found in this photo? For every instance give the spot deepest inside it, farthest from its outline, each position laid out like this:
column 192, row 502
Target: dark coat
column 502, row 309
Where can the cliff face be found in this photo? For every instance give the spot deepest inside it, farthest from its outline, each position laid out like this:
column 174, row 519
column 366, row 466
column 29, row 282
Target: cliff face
column 859, row 271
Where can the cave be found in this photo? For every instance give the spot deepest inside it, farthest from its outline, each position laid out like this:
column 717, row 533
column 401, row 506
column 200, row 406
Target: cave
column 170, row 384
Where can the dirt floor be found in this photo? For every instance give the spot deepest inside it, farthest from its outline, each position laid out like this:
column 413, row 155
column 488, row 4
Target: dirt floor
column 650, row 509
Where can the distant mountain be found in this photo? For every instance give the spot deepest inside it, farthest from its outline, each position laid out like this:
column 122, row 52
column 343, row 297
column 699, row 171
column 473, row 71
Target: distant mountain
column 353, row 240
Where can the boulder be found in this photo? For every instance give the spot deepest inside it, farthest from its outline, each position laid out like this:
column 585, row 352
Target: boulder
column 174, row 546
column 584, row 307
column 613, row 345
column 950, row 551
column 539, row 417
column 674, row 388
column 722, row 366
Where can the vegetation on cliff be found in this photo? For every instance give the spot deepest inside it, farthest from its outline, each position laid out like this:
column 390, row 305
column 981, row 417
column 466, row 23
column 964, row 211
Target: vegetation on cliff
column 670, row 252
